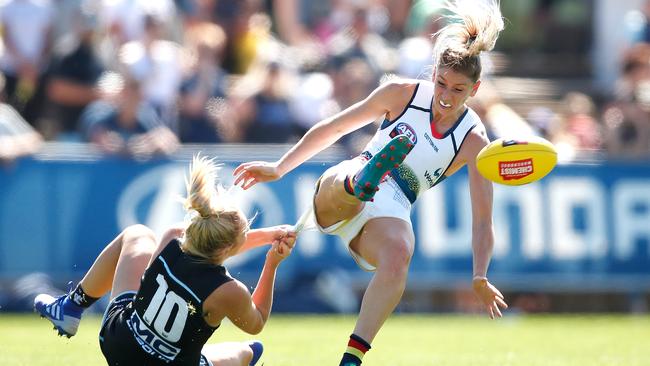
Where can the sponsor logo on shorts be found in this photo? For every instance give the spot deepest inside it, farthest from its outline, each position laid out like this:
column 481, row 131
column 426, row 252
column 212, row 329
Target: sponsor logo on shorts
column 404, row 129
column 516, row 169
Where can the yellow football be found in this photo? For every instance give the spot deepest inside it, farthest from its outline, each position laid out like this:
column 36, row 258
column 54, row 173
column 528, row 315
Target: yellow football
column 516, row 162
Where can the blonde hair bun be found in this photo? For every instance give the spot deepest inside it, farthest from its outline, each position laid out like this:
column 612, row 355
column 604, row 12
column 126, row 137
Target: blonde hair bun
column 474, row 26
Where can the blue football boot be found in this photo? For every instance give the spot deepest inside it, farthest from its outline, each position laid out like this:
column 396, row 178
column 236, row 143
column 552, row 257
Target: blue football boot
column 258, row 349
column 64, row 315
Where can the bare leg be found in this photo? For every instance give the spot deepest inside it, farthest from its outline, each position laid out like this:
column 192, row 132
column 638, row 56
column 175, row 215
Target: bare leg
column 333, row 203
column 228, row 354
column 121, row 264
column 386, row 243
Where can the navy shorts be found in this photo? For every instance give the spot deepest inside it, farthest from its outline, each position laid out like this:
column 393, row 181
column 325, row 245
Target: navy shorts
column 117, row 341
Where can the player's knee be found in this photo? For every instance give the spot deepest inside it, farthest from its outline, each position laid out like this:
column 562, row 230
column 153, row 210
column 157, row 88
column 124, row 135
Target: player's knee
column 329, row 180
column 396, row 258
column 137, row 234
column 138, row 230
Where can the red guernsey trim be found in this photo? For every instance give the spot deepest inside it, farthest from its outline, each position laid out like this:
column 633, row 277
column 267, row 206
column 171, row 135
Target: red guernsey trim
column 434, row 132
column 357, row 345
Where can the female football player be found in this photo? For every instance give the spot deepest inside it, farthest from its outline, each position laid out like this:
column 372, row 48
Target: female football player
column 427, row 134
column 168, row 299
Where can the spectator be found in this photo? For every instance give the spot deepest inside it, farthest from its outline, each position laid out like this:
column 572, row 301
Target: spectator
column 312, row 99
column 352, row 83
column 638, row 23
column 245, row 27
column 302, row 23
column 543, row 120
column 246, row 32
column 126, row 20
column 266, row 112
column 635, row 69
column 397, row 13
column 127, row 126
column 580, row 121
column 26, row 26
column 415, row 57
column 73, row 78
column 204, row 86
column 426, row 17
column 627, row 131
column 67, row 12
column 499, row 118
column 156, row 63
column 17, row 137
column 360, row 40
column 578, row 131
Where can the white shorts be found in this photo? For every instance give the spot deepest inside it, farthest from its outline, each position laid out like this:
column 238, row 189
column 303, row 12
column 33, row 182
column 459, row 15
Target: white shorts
column 389, row 201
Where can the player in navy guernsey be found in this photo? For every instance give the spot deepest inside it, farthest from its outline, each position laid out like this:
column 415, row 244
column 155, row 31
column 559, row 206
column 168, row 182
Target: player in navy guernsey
column 168, row 298
column 427, row 133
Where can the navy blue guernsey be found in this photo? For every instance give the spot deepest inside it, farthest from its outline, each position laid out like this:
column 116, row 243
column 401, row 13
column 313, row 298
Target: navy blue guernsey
column 167, row 321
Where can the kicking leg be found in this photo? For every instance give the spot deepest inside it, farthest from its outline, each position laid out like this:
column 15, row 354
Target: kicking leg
column 332, row 202
column 386, row 243
column 344, row 187
column 118, row 267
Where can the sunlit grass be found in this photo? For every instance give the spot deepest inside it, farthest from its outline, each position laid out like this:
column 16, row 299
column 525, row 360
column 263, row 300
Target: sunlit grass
column 405, row 340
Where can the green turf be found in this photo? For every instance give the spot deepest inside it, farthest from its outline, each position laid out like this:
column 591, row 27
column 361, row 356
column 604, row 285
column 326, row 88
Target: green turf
column 404, row 340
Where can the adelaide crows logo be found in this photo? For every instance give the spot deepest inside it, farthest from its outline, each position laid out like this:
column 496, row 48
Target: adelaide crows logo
column 404, row 129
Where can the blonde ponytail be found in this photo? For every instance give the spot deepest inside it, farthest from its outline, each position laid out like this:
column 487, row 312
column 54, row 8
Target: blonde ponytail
column 474, row 26
column 217, row 223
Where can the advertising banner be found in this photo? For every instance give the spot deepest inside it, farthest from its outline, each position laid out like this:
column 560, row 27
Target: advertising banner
column 583, row 227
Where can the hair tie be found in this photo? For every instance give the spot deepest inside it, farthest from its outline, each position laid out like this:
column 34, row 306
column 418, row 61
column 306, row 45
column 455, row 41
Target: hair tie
column 192, row 214
column 210, row 215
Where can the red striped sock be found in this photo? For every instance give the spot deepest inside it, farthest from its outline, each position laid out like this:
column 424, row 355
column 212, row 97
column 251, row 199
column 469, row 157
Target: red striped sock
column 348, row 185
column 357, row 348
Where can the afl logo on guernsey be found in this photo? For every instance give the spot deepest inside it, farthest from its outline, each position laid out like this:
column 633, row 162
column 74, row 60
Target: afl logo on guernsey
column 404, row 129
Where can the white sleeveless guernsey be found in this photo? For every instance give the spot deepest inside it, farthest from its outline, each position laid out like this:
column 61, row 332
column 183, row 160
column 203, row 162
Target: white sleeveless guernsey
column 432, row 154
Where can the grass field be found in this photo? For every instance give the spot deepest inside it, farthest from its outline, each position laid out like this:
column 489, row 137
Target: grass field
column 404, row 340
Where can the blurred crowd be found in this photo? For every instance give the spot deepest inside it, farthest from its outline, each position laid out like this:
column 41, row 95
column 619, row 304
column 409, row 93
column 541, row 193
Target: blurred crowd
column 139, row 77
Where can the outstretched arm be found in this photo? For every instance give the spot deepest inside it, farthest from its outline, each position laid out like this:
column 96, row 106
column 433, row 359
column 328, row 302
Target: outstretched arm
column 324, row 134
column 482, row 231
column 268, row 235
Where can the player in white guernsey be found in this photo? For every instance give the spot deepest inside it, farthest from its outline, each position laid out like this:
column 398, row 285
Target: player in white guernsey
column 428, row 133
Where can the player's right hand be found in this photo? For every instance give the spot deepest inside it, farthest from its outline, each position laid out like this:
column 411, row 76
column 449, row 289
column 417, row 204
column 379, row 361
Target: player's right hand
column 278, row 252
column 490, row 296
column 249, row 174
